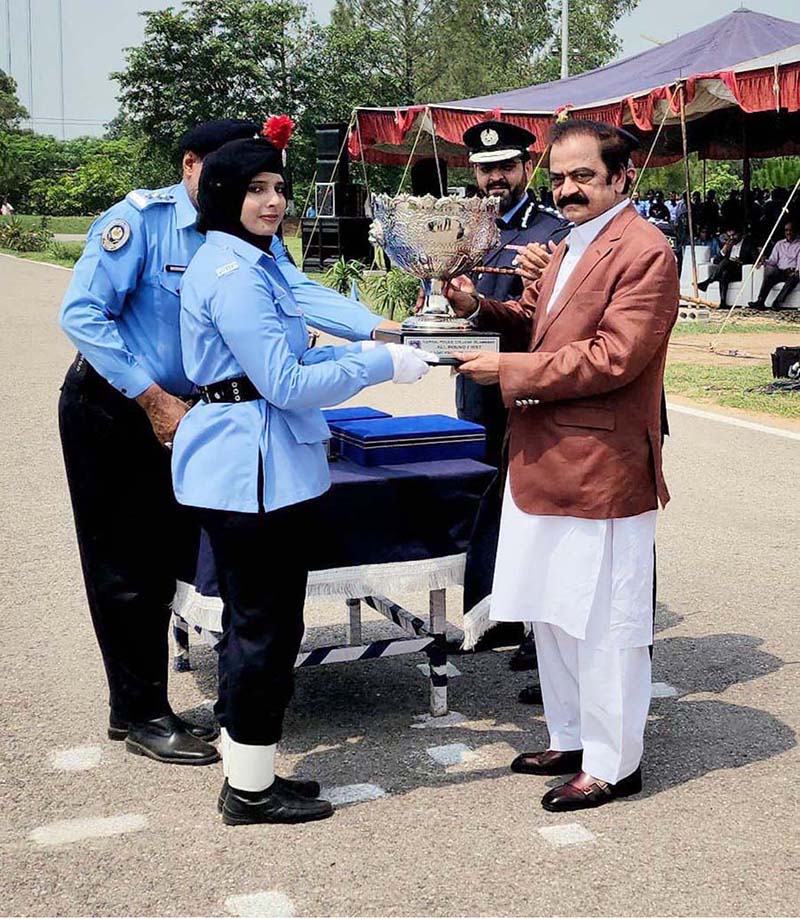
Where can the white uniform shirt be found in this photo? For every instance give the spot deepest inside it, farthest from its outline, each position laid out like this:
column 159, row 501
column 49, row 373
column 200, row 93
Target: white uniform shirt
column 592, row 578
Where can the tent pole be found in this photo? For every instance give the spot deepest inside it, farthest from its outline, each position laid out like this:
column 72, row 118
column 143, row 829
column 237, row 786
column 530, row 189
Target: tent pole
column 442, row 190
column 746, row 174
column 688, row 190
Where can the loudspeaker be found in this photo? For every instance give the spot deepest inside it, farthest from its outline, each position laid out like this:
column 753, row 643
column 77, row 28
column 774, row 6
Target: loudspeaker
column 330, row 140
column 425, row 178
column 327, row 239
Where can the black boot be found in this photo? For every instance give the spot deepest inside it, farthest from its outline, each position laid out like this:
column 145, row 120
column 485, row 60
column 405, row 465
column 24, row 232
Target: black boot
column 305, row 788
column 167, row 741
column 275, row 805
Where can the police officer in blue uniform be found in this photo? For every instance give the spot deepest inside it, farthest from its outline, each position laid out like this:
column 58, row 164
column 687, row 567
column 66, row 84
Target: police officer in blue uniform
column 121, row 402
column 499, row 154
column 250, row 458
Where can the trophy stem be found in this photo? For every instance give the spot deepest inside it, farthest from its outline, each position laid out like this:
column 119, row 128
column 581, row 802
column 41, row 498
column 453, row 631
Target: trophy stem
column 435, row 302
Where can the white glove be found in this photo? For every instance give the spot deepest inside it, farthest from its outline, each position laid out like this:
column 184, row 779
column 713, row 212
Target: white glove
column 409, row 363
column 368, row 345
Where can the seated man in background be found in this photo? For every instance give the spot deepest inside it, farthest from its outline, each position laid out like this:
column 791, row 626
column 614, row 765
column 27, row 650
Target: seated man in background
column 783, row 264
column 737, row 250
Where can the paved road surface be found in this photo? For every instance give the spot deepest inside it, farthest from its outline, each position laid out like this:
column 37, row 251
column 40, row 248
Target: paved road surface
column 715, row 831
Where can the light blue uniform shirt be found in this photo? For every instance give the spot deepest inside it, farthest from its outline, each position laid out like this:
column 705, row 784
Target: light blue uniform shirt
column 122, row 308
column 239, row 316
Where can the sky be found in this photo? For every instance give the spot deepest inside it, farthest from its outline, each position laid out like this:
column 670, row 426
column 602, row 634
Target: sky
column 89, row 45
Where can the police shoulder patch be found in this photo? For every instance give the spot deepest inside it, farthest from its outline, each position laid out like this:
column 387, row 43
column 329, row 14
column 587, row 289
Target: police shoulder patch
column 226, row 269
column 115, row 235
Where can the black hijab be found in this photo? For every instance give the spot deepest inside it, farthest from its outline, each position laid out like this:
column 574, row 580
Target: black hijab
column 223, row 185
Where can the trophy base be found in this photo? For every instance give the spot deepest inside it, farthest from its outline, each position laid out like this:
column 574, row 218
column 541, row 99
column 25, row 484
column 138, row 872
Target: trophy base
column 442, row 341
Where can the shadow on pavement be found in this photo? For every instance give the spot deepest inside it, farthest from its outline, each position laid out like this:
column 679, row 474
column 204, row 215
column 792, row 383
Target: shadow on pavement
column 351, row 723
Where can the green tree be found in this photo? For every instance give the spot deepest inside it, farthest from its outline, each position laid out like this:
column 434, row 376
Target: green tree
column 450, row 49
column 11, row 112
column 215, row 59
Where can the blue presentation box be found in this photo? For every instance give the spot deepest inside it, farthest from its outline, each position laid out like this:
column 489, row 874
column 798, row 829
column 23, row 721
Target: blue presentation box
column 412, row 439
column 352, row 413
column 334, row 416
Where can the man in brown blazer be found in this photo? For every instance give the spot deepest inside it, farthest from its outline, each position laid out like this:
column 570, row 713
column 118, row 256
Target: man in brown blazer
column 582, row 373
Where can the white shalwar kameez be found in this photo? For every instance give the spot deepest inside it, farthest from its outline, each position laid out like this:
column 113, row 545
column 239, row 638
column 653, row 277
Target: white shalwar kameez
column 587, row 586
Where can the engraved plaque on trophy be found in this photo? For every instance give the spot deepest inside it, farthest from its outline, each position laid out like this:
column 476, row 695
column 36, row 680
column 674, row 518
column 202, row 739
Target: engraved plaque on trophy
column 436, row 239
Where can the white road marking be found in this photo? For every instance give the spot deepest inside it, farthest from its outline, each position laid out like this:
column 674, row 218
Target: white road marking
column 452, row 754
column 450, row 720
column 662, row 691
column 568, row 834
column 452, row 670
column 76, row 759
column 31, row 261
column 67, row 831
column 351, row 794
column 261, row 903
column 734, row 422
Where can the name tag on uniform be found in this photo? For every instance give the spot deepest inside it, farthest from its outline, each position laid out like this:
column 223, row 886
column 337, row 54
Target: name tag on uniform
column 227, row 269
column 175, row 269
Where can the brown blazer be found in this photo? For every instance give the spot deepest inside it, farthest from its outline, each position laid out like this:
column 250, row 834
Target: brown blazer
column 584, row 384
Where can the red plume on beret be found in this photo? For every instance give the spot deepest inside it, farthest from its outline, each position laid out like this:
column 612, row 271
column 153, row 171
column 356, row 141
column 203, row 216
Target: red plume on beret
column 278, row 129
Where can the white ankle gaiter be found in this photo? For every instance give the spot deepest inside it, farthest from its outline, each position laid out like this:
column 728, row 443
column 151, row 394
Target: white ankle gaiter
column 251, row 767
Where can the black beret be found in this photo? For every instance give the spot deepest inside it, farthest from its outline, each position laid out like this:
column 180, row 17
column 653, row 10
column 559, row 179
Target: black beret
column 495, row 141
column 211, row 135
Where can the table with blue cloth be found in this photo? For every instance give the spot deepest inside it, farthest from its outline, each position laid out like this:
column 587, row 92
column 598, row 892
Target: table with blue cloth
column 379, row 529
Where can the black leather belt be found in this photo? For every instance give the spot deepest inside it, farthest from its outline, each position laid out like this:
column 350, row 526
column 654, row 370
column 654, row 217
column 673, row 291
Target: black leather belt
column 239, row 389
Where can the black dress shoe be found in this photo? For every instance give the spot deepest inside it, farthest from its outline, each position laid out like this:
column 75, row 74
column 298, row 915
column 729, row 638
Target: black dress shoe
column 277, row 804
column 583, row 791
column 167, row 741
column 531, row 695
column 118, row 730
column 524, row 658
column 306, row 788
column 548, row 762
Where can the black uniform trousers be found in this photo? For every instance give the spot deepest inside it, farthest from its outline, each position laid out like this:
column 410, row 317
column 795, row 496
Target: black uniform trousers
column 262, row 564
column 133, row 537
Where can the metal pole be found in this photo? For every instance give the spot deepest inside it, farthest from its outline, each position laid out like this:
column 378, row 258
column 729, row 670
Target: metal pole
column 8, row 34
column 688, row 190
column 61, row 66
column 30, row 62
column 564, row 39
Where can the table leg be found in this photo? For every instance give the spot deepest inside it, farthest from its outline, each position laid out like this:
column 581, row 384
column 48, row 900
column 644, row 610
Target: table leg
column 353, row 622
column 180, row 635
column 437, row 652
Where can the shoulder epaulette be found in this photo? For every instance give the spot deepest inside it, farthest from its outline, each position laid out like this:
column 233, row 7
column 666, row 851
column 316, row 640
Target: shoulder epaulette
column 141, row 199
column 549, row 210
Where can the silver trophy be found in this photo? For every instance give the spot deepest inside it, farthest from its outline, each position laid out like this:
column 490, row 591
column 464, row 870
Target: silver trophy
column 436, row 239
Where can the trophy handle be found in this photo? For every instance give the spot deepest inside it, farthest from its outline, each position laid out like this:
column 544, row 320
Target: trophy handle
column 435, row 302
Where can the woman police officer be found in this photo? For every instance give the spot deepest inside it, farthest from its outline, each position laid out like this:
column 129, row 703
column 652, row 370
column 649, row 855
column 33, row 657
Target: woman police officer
column 250, row 456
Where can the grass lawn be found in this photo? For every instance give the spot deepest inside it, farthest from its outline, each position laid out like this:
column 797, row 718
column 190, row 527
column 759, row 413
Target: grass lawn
column 748, row 325
column 728, row 386
column 54, row 224
column 63, row 255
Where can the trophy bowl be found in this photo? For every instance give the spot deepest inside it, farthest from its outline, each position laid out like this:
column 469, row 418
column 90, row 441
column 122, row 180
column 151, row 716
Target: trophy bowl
column 435, row 239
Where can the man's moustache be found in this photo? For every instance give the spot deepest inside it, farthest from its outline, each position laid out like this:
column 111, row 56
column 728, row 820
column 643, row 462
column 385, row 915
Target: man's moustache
column 572, row 199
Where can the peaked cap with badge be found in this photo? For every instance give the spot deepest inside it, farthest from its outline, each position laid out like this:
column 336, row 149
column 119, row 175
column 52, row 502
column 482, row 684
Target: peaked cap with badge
column 497, row 141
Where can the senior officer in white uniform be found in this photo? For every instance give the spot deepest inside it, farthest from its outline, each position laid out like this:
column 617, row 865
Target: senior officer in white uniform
column 577, row 532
